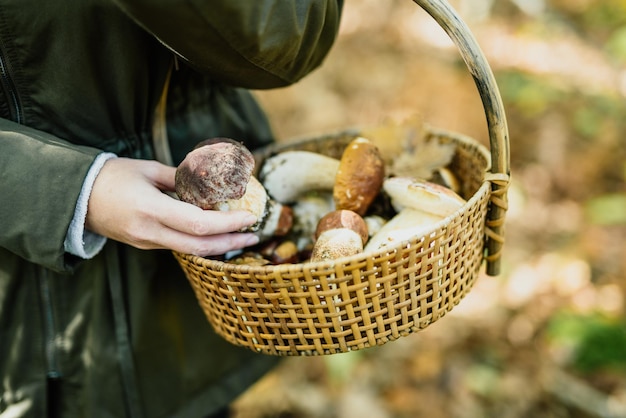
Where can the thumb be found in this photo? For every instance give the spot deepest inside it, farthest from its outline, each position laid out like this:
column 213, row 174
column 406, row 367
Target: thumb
column 162, row 176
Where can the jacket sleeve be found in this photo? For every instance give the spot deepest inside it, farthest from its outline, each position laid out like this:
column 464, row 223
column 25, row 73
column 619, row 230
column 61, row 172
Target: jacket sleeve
column 41, row 177
column 255, row 44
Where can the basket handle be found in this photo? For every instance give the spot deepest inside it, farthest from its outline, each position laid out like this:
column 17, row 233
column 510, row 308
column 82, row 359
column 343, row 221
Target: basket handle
column 499, row 172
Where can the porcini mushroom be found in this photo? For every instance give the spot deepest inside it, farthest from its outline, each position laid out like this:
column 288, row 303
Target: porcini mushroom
column 406, row 192
column 419, row 205
column 340, row 233
column 217, row 175
column 215, row 171
column 273, row 218
column 308, row 209
column 405, row 225
column 359, row 177
column 447, row 178
column 286, row 252
column 290, row 174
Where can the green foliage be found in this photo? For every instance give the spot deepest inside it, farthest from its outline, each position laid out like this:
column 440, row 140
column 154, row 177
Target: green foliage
column 592, row 116
column 616, row 45
column 340, row 366
column 531, row 95
column 587, row 121
column 599, row 342
column 482, row 379
column 609, row 209
column 604, row 14
column 597, row 20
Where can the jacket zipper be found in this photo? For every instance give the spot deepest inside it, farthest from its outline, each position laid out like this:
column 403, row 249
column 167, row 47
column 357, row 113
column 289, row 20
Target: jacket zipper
column 49, row 325
column 9, row 87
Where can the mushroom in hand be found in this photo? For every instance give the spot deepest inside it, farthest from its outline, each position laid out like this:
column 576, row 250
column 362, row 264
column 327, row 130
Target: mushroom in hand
column 216, row 170
column 217, row 175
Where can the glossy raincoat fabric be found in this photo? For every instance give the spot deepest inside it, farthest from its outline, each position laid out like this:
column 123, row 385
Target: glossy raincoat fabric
column 121, row 335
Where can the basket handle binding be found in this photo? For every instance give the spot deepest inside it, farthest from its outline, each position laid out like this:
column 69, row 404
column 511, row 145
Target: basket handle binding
column 499, row 172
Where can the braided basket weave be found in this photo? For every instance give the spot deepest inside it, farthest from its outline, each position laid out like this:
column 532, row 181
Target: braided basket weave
column 369, row 299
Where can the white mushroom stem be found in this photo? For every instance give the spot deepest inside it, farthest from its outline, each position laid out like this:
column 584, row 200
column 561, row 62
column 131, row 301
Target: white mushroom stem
column 253, row 200
column 374, row 223
column 289, row 174
column 407, row 224
column 307, row 212
column 340, row 233
column 273, row 218
column 336, row 243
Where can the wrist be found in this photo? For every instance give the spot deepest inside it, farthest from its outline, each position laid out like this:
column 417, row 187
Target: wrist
column 78, row 240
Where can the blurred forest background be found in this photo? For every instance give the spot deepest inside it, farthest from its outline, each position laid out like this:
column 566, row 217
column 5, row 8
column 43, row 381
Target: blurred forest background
column 546, row 338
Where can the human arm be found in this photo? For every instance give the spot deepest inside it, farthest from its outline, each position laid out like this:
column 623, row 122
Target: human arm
column 80, row 241
column 128, row 204
column 254, row 44
column 41, row 178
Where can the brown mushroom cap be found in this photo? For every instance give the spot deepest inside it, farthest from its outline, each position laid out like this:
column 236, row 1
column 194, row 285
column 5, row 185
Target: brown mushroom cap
column 338, row 219
column 214, row 172
column 360, row 176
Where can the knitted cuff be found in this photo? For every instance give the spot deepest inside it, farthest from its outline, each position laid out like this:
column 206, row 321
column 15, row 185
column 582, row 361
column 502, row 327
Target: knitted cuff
column 78, row 241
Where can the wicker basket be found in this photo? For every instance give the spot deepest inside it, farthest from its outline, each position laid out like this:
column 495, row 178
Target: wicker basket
column 369, row 299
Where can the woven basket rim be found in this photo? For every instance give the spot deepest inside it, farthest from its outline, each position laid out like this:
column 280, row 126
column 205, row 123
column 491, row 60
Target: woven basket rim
column 224, row 266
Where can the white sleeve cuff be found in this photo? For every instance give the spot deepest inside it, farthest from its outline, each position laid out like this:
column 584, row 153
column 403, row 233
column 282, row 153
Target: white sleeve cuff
column 78, row 241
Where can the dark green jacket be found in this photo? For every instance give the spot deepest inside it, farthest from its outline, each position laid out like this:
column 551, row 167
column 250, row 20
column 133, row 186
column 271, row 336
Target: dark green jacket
column 122, row 334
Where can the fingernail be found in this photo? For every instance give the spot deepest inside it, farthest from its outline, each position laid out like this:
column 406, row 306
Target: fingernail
column 253, row 240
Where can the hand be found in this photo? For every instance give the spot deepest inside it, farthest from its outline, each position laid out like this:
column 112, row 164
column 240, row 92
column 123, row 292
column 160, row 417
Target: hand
column 128, row 204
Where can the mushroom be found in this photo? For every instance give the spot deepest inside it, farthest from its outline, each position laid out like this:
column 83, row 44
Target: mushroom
column 447, row 178
column 290, row 174
column 285, row 252
column 374, row 223
column 249, row 259
column 359, row 177
column 406, row 192
column 340, row 233
column 419, row 205
column 216, row 170
column 217, row 175
column 273, row 218
column 406, row 224
column 307, row 212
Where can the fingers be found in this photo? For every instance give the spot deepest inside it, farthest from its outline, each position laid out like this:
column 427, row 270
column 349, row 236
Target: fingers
column 207, row 245
column 192, row 220
column 188, row 229
column 188, row 218
column 162, row 176
column 192, row 230
column 127, row 204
